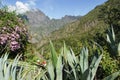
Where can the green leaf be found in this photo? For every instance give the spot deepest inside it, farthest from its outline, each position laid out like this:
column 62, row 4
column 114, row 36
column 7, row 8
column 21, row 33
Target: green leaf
column 84, row 60
column 73, row 55
column 86, row 75
column 53, row 55
column 51, row 70
column 65, row 51
column 7, row 72
column 108, row 39
column 112, row 76
column 95, row 66
column 59, row 68
column 113, row 34
column 119, row 49
column 69, row 58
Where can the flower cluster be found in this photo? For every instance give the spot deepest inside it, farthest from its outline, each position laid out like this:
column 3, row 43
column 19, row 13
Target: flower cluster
column 13, row 37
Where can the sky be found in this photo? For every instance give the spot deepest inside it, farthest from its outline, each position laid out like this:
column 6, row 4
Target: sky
column 54, row 8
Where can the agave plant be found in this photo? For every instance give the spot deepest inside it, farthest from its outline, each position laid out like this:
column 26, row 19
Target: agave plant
column 11, row 70
column 80, row 65
column 115, row 48
column 8, row 70
column 67, row 66
column 55, row 65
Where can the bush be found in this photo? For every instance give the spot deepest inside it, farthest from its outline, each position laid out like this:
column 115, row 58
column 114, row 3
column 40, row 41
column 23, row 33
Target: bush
column 13, row 33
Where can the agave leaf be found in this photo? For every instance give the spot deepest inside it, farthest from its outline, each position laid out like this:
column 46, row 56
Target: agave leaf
column 70, row 62
column 39, row 74
column 7, row 73
column 87, row 75
column 65, row 51
column 112, row 76
column 93, row 62
column 119, row 49
column 51, row 70
column 59, row 68
column 108, row 39
column 1, row 68
column 53, row 55
column 84, row 60
column 70, row 58
column 14, row 67
column 13, row 73
column 73, row 55
column 95, row 66
column 44, row 78
column 19, row 77
column 113, row 34
column 24, row 74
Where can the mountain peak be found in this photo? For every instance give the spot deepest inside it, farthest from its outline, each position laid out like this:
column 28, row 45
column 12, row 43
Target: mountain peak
column 42, row 25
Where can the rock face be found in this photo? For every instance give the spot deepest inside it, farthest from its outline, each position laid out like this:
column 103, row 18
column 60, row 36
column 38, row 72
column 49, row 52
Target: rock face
column 41, row 25
column 37, row 18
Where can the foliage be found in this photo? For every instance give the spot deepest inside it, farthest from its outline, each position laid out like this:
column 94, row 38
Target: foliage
column 108, row 65
column 66, row 66
column 13, row 33
column 15, row 70
column 114, row 47
column 110, row 12
column 74, row 67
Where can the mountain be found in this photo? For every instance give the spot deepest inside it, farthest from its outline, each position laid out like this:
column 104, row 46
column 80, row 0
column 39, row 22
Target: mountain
column 85, row 28
column 86, row 24
column 37, row 18
column 41, row 25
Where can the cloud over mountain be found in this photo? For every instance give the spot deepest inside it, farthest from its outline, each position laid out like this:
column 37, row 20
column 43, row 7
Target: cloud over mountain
column 21, row 7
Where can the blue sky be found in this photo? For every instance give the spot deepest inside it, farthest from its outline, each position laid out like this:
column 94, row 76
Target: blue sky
column 57, row 8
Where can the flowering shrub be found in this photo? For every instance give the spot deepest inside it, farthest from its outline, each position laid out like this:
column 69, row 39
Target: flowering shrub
column 12, row 38
column 13, row 33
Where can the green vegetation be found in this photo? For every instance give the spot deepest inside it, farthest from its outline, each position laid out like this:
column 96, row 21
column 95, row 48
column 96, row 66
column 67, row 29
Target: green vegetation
column 99, row 59
column 66, row 66
column 91, row 28
column 13, row 33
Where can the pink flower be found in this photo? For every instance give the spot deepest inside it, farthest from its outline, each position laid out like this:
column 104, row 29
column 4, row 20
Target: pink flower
column 17, row 29
column 14, row 36
column 14, row 45
column 3, row 38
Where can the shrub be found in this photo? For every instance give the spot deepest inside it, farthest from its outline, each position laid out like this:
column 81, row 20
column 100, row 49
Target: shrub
column 13, row 33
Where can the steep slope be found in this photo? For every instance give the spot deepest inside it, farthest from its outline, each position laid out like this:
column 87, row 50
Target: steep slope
column 41, row 25
column 86, row 23
column 91, row 24
column 37, row 18
column 74, row 33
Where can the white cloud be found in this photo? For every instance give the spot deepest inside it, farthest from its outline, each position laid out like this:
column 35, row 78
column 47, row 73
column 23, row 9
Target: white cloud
column 21, row 7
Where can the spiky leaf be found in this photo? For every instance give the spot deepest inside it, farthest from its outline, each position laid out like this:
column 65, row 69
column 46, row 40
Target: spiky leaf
column 119, row 49
column 95, row 66
column 59, row 68
column 51, row 70
column 84, row 60
column 112, row 76
column 53, row 55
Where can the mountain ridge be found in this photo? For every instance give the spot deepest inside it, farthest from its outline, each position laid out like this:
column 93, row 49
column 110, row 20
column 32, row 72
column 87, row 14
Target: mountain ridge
column 42, row 25
column 80, row 30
